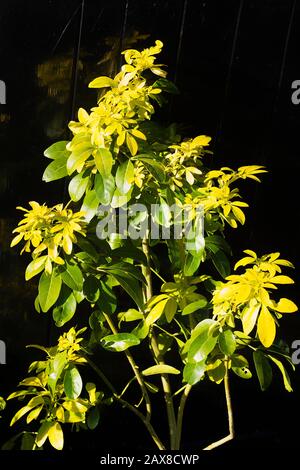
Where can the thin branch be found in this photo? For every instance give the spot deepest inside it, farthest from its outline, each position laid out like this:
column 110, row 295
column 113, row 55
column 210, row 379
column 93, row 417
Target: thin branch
column 229, row 414
column 156, row 353
column 181, row 408
column 127, row 405
column 134, row 368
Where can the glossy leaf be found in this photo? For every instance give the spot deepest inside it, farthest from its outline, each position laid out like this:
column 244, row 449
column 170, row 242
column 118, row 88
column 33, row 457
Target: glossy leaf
column 194, row 306
column 104, row 188
column 193, row 372
column 57, row 150
column 49, row 289
column 72, row 276
column 103, row 159
column 90, row 205
column 227, row 342
column 119, row 342
column 72, row 383
column 125, row 177
column 56, row 436
column 78, row 186
column 35, row 267
column 266, row 327
column 56, row 170
column 160, row 369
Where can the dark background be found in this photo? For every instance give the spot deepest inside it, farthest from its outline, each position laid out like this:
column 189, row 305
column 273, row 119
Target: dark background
column 234, row 63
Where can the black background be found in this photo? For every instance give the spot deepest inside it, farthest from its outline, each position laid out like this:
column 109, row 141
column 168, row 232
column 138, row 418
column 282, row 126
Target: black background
column 234, row 63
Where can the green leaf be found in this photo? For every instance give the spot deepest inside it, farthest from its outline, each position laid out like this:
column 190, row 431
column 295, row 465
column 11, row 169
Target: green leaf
column 285, row 375
column 56, row 436
column 141, row 330
column 57, row 150
column 193, row 372
column 170, row 309
column 202, row 345
column 43, row 433
column 130, row 315
column 104, row 161
column 227, row 342
column 56, row 170
column 64, row 312
column 192, row 263
column 91, row 289
column 216, row 243
column 153, row 166
column 93, row 417
column 77, row 186
column 49, row 289
column 221, row 263
column 263, row 369
column 130, row 285
column 28, row 441
column 90, row 205
column 72, row 276
column 104, row 188
column 166, row 85
column 77, row 159
column 202, row 328
column 160, row 369
column 107, row 301
column 194, row 306
column 56, row 367
column 162, row 213
column 125, row 177
column 242, row 372
column 35, row 267
column 72, row 383
column 119, row 342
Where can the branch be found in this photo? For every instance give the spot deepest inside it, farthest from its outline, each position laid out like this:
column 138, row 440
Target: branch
column 127, row 405
column 134, row 368
column 156, row 353
column 229, row 414
column 181, row 408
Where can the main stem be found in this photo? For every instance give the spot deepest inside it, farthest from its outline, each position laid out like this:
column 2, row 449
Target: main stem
column 157, row 355
column 231, row 434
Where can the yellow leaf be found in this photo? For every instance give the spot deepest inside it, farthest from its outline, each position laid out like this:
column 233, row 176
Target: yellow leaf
column 202, row 140
column 266, row 327
column 102, row 82
column 137, row 133
column 282, row 280
column 56, row 436
column 34, row 414
column 249, row 318
column 244, row 262
column 156, row 312
column 239, row 214
column 243, row 293
column 286, row 306
column 82, row 115
column 131, row 144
